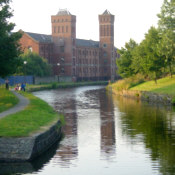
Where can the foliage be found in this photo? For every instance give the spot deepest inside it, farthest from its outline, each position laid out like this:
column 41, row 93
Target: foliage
column 35, row 65
column 167, row 16
column 7, row 99
column 154, row 57
column 125, row 61
column 9, row 46
column 127, row 83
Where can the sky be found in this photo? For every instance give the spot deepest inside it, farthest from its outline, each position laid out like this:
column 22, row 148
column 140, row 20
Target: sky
column 133, row 18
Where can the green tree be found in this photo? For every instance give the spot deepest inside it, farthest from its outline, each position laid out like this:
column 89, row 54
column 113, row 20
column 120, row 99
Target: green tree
column 167, row 16
column 167, row 27
column 124, row 63
column 9, row 46
column 35, row 65
column 155, row 62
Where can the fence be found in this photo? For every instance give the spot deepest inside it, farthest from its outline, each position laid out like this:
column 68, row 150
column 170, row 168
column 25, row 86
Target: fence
column 18, row 80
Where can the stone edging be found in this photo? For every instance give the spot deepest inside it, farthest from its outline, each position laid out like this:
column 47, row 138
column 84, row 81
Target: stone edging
column 27, row 148
column 146, row 96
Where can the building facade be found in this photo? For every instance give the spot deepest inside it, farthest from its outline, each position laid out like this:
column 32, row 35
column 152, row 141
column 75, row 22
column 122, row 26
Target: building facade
column 75, row 59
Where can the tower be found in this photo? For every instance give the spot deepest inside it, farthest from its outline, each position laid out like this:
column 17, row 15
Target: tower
column 107, row 57
column 63, row 37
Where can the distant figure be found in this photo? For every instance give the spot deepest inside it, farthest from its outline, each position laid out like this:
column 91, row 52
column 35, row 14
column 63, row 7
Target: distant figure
column 23, row 87
column 7, row 84
column 17, row 88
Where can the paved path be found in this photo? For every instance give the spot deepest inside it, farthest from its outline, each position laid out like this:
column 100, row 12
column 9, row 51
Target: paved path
column 23, row 102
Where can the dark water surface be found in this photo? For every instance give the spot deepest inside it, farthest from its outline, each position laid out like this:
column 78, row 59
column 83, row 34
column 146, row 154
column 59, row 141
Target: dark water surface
column 105, row 135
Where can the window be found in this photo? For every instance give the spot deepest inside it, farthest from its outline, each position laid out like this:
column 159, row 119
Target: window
column 104, row 54
column 30, row 49
column 62, row 49
column 104, row 45
column 54, row 29
column 58, row 29
column 66, row 29
column 62, row 29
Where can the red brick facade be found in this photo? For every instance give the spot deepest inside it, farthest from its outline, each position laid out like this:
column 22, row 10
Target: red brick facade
column 73, row 58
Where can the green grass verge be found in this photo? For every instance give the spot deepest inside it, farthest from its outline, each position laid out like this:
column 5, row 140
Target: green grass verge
column 7, row 99
column 36, row 115
column 32, row 88
column 163, row 86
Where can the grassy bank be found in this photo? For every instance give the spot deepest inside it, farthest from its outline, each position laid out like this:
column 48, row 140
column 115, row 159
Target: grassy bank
column 32, row 88
column 164, row 86
column 7, row 99
column 36, row 115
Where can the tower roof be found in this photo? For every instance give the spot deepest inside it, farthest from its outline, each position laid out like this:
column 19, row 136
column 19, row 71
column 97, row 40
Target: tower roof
column 106, row 12
column 63, row 12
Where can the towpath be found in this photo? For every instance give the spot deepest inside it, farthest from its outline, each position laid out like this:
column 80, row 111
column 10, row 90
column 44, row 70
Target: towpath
column 23, row 102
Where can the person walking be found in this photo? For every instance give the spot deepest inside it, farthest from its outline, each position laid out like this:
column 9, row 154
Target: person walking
column 7, row 84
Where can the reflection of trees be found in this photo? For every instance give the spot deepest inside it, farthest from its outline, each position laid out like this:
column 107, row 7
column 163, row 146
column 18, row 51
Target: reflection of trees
column 107, row 124
column 156, row 125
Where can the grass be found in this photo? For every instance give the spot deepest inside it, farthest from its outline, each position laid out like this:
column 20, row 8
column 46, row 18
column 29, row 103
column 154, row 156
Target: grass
column 63, row 85
column 7, row 99
column 163, row 86
column 36, row 115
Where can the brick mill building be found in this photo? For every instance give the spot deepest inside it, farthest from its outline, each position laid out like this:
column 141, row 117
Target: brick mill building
column 75, row 59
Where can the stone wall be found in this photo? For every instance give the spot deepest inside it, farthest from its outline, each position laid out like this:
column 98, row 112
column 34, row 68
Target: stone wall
column 146, row 96
column 28, row 148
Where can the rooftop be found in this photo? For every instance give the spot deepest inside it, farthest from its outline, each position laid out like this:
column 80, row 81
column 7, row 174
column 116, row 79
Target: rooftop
column 63, row 12
column 106, row 12
column 48, row 39
column 40, row 37
column 87, row 43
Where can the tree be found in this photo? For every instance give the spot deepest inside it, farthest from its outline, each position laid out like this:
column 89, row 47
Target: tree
column 148, row 55
column 167, row 28
column 9, row 46
column 167, row 49
column 35, row 65
column 167, row 16
column 124, row 63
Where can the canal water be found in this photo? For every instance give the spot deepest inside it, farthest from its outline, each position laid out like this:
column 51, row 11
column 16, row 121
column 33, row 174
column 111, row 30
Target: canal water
column 105, row 135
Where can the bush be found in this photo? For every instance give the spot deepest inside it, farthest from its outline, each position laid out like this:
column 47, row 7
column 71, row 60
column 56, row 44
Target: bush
column 127, row 83
column 54, row 85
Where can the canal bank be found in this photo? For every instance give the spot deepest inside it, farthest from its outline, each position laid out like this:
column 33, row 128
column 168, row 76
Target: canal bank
column 28, row 129
column 161, row 92
column 149, row 97
column 22, row 149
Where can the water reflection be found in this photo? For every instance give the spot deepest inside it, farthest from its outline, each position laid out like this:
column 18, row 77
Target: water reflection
column 105, row 134
column 107, row 125
column 154, row 125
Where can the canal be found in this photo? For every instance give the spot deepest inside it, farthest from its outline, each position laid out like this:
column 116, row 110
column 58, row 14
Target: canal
column 105, row 135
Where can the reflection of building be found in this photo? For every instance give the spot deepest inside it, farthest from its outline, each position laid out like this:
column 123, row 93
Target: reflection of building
column 68, row 147
column 107, row 125
column 78, row 59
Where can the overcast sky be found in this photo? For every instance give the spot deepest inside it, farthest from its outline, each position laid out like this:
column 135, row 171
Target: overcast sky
column 133, row 18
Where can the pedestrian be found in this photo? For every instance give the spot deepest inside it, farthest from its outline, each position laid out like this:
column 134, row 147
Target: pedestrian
column 7, row 84
column 23, row 87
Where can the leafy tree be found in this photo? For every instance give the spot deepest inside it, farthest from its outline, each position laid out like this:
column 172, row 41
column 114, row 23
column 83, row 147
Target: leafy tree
column 155, row 63
column 167, row 16
column 9, row 46
column 167, row 50
column 125, row 61
column 167, row 27
column 35, row 65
